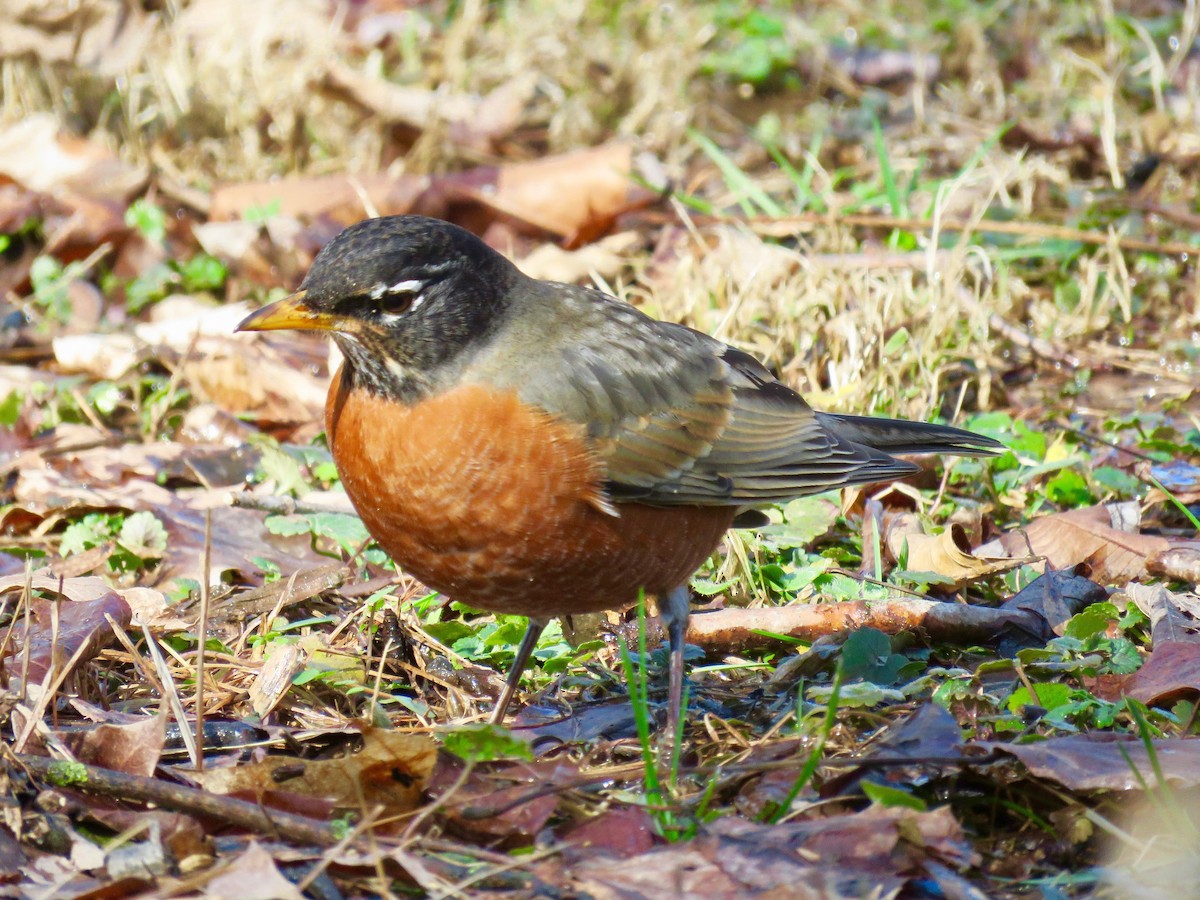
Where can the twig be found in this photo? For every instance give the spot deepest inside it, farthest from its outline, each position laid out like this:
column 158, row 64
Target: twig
column 1019, row 336
column 804, row 223
column 202, row 632
column 735, row 630
column 171, row 692
column 285, row 506
column 240, row 813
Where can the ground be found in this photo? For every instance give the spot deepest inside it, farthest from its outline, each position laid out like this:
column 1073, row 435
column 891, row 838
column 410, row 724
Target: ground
column 979, row 682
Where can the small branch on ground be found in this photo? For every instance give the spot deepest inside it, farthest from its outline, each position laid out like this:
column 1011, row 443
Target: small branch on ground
column 279, row 825
column 738, row 630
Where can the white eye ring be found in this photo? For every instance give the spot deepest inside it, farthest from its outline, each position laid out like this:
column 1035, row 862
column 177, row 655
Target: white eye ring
column 411, row 286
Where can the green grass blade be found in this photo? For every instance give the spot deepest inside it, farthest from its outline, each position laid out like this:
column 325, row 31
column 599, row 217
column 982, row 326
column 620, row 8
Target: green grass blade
column 750, row 197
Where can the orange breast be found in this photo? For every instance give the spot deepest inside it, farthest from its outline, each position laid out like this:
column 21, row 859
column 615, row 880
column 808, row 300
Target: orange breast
column 499, row 505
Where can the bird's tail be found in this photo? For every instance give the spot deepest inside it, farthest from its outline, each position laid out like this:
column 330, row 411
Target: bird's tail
column 898, row 436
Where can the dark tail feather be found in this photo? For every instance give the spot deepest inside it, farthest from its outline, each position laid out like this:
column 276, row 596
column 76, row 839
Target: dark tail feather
column 899, row 436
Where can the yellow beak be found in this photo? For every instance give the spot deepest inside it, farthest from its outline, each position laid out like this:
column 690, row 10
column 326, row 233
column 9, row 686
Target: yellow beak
column 290, row 312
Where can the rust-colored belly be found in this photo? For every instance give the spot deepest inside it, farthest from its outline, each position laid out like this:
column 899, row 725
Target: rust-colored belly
column 499, row 505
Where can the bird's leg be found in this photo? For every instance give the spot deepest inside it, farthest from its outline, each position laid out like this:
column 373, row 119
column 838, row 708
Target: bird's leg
column 532, row 632
column 675, row 607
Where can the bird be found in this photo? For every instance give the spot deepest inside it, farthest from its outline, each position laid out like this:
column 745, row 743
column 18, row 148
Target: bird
column 544, row 449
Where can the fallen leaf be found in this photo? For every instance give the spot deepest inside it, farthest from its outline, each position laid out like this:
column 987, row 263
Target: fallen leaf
column 861, row 854
column 1171, row 672
column 105, row 36
column 237, row 537
column 620, row 832
column 473, row 121
column 1106, row 761
column 1168, row 621
column 1176, row 564
column 947, row 553
column 508, row 802
column 392, row 769
column 60, row 630
column 272, row 681
column 1047, row 603
column 572, row 194
column 606, row 258
column 34, row 153
column 1088, row 535
column 253, row 875
column 132, row 748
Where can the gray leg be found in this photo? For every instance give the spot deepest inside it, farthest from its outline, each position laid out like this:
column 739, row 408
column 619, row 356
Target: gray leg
column 532, row 632
column 675, row 607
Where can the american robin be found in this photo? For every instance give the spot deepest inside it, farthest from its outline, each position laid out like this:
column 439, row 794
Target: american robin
column 542, row 449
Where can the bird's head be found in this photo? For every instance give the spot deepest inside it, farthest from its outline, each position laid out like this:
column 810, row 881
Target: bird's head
column 405, row 297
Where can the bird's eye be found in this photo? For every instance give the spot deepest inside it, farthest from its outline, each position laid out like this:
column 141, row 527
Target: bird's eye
column 396, row 302
column 398, row 298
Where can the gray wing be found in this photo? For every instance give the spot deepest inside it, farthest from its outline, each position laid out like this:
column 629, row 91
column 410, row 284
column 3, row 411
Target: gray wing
column 680, row 418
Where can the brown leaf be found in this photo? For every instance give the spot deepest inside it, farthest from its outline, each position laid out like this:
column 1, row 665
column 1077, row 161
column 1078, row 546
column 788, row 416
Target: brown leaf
column 78, row 590
column 253, row 875
column 341, row 197
column 606, row 258
column 1095, row 762
column 1170, row 673
column 573, row 194
column 1046, row 603
column 1087, row 536
column 473, row 121
column 61, row 629
column 947, row 553
column 1176, row 564
column 35, row 153
column 105, row 36
column 860, row 854
column 620, row 832
column 133, row 748
column 391, row 770
column 1168, row 621
column 281, row 664
column 505, row 801
column 238, row 535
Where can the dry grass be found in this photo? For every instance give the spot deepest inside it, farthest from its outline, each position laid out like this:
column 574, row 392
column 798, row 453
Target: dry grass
column 226, row 90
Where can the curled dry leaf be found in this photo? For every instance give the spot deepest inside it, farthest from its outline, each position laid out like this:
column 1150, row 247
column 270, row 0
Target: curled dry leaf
column 279, row 382
column 238, row 535
column 871, row 853
column 1046, row 604
column 1165, row 609
column 1176, row 564
column 344, row 198
column 619, row 832
column 78, row 590
column 575, row 195
column 280, row 665
column 35, row 153
column 605, row 258
column 948, row 554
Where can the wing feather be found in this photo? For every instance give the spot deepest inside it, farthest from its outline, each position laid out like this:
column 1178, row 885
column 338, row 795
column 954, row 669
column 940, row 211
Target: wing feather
column 679, row 418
